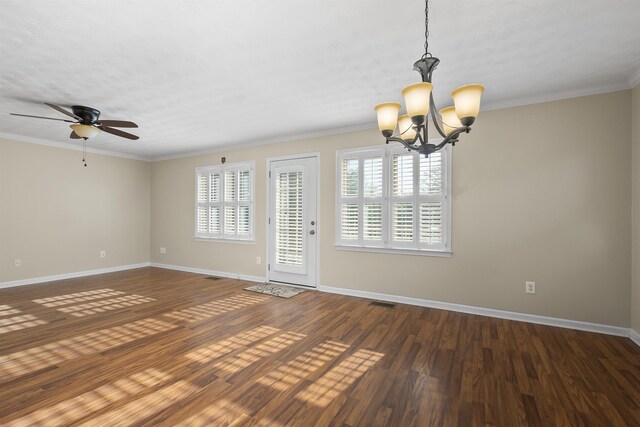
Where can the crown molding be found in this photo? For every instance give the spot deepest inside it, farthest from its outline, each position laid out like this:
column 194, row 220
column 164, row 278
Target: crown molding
column 490, row 106
column 634, row 80
column 67, row 146
column 238, row 145
column 556, row 96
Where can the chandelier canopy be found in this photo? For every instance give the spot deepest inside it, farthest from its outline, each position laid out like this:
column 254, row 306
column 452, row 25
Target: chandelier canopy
column 450, row 122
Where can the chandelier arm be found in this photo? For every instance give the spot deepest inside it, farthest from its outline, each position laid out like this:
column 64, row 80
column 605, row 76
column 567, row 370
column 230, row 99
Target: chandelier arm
column 435, row 116
column 453, row 136
column 403, row 142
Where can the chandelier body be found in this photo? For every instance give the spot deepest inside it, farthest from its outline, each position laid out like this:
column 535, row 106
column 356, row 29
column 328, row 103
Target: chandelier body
column 413, row 127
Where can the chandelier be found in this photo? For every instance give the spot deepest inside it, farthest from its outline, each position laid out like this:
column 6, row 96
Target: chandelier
column 450, row 122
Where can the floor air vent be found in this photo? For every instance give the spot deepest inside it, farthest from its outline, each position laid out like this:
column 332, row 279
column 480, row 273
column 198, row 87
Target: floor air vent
column 382, row 304
column 213, row 278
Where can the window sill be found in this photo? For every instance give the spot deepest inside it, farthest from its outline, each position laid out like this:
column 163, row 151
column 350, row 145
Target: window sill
column 211, row 239
column 418, row 252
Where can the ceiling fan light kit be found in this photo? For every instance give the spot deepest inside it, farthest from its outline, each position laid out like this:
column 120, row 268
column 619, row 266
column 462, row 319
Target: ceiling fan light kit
column 412, row 128
column 85, row 131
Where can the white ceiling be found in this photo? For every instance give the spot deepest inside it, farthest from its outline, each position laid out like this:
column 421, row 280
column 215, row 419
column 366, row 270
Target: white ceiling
column 203, row 75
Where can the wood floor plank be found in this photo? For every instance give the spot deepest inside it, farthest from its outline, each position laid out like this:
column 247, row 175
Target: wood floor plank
column 161, row 347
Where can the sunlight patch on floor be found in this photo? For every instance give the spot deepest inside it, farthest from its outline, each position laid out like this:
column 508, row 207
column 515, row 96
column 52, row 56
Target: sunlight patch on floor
column 296, row 370
column 144, row 407
column 19, row 322
column 223, row 412
column 7, row 310
column 36, row 358
column 75, row 408
column 254, row 354
column 214, row 308
column 220, row 348
column 337, row 379
column 105, row 305
column 77, row 297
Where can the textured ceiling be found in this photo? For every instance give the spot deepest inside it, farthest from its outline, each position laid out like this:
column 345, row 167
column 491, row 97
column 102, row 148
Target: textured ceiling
column 202, row 75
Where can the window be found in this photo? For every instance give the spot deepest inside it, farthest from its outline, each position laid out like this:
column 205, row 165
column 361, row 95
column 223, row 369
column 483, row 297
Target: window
column 390, row 199
column 224, row 202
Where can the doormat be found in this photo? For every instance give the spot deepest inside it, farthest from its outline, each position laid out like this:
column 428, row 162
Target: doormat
column 281, row 291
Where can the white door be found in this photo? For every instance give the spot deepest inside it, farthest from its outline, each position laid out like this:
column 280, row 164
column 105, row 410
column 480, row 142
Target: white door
column 293, row 221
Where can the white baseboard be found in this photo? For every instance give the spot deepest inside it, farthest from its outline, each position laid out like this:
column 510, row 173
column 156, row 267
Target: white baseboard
column 211, row 272
column 42, row 279
column 481, row 311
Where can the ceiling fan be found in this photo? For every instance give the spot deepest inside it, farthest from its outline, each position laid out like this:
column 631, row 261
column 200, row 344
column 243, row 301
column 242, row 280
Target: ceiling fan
column 87, row 122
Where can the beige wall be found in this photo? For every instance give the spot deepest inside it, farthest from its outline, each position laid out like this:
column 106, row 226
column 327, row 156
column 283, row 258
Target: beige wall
column 540, row 192
column 56, row 215
column 635, row 159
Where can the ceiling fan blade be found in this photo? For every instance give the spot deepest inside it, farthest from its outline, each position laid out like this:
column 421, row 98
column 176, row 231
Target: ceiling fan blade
column 41, row 117
column 118, row 123
column 63, row 111
column 118, row 132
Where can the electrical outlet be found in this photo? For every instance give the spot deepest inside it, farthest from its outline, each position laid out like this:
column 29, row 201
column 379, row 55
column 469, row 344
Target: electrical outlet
column 258, row 260
column 163, row 250
column 17, row 262
column 103, row 254
column 530, row 287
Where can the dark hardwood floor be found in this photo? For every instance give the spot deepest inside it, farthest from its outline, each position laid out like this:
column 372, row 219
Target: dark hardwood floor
column 161, row 347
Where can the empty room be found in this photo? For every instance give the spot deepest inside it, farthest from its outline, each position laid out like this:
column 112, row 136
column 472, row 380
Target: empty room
column 331, row 213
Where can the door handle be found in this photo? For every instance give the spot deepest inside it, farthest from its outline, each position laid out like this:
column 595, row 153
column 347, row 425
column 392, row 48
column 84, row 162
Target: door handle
column 312, row 232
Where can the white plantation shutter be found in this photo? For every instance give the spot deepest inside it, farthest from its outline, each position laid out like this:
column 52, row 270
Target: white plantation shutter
column 288, row 217
column 214, row 220
column 372, row 219
column 224, row 202
column 202, row 222
column 230, row 186
column 393, row 199
column 431, row 174
column 402, row 200
column 373, row 200
column 402, row 222
column 229, row 220
column 243, row 185
column 372, row 167
column 432, row 211
column 361, row 198
column 431, row 222
column 350, row 175
column 244, row 220
column 214, row 182
column 403, row 174
column 349, row 220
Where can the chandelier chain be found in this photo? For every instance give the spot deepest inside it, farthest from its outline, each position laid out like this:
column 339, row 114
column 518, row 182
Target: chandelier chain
column 426, row 29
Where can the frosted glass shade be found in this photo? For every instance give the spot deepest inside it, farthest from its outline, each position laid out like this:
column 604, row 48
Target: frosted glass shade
column 405, row 126
column 450, row 120
column 416, row 98
column 467, row 100
column 85, row 131
column 387, row 117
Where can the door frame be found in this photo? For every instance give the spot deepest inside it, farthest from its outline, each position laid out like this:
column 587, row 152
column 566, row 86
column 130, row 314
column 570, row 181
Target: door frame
column 316, row 156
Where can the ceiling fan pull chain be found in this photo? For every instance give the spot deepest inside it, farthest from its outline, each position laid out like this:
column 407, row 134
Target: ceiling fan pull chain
column 84, row 151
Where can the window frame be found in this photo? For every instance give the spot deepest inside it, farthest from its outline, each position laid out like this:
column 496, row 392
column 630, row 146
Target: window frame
column 387, row 245
column 222, row 170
